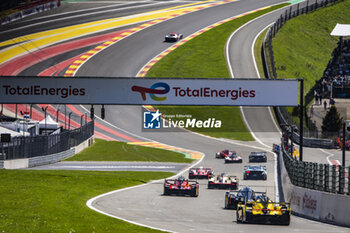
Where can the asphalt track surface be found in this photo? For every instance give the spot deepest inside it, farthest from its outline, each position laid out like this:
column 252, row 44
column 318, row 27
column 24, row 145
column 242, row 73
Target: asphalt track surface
column 145, row 204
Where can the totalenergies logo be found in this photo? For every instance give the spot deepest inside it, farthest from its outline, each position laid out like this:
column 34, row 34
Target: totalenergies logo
column 156, row 89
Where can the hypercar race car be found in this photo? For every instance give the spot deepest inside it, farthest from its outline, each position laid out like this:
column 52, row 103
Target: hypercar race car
column 181, row 186
column 200, row 173
column 255, row 173
column 223, row 181
column 223, row 153
column 233, row 158
column 173, row 36
column 276, row 148
column 232, row 198
column 257, row 157
column 263, row 210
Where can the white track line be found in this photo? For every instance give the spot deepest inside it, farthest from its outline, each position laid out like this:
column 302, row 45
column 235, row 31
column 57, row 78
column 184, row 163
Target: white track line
column 90, row 202
column 277, row 195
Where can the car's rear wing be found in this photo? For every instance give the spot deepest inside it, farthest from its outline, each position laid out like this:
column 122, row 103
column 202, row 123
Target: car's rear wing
column 236, row 191
column 204, row 168
column 286, row 205
column 255, row 166
column 258, row 152
column 173, row 181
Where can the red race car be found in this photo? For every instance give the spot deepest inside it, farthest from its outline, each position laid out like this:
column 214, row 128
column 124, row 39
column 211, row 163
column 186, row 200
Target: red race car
column 223, row 153
column 181, row 186
column 200, row 173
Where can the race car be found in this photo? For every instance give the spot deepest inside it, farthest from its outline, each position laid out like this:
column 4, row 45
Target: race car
column 223, row 153
column 263, row 210
column 233, row 158
column 232, row 198
column 173, row 37
column 181, row 186
column 254, row 173
column 200, row 172
column 257, row 157
column 276, row 148
column 223, row 181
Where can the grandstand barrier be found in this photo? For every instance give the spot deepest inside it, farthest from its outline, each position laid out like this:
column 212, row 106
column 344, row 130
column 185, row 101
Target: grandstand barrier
column 47, row 159
column 40, row 150
column 28, row 9
column 282, row 116
column 314, row 191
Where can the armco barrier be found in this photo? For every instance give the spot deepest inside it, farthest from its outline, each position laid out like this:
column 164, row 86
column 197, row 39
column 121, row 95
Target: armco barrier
column 321, row 206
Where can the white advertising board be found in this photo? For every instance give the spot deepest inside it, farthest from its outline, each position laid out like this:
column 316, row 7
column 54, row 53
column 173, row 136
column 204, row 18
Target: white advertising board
column 140, row 91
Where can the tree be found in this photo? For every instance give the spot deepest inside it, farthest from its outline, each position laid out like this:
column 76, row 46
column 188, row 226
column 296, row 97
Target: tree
column 332, row 122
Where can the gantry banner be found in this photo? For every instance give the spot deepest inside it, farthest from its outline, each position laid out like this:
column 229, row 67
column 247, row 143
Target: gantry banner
column 148, row 91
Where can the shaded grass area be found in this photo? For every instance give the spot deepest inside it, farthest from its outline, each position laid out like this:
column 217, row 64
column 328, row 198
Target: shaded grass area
column 103, row 150
column 204, row 57
column 303, row 47
column 54, row 201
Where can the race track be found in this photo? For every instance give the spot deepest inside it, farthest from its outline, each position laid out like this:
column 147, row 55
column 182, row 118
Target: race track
column 146, row 205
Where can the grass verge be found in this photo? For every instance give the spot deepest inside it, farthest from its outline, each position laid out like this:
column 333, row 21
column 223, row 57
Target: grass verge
column 54, row 201
column 103, row 150
column 204, row 57
column 303, row 47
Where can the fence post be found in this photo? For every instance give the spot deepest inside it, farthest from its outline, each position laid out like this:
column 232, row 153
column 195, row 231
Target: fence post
column 326, row 177
column 341, row 180
column 320, row 178
column 315, row 175
column 334, row 178
column 307, row 6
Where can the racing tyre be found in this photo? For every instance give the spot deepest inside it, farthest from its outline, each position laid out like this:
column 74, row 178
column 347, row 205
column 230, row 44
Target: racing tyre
column 237, row 218
column 195, row 192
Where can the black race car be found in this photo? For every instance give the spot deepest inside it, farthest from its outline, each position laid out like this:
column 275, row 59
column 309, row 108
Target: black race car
column 257, row 157
column 232, row 198
column 181, row 186
column 255, row 173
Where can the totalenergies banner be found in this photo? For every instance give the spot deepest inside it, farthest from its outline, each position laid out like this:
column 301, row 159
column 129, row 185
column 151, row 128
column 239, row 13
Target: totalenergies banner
column 139, row 91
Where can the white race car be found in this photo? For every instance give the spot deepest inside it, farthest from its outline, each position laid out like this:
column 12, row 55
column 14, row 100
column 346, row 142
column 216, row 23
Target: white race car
column 223, row 181
column 173, row 37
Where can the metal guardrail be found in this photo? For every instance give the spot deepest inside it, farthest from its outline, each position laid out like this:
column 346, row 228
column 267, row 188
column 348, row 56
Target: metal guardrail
column 282, row 114
column 321, row 177
column 27, row 147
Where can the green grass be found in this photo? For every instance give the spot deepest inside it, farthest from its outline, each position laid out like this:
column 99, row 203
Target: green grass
column 204, row 57
column 303, row 47
column 120, row 151
column 54, row 201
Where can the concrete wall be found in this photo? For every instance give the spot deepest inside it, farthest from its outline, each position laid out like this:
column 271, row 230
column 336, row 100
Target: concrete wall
column 321, row 206
column 47, row 159
column 16, row 163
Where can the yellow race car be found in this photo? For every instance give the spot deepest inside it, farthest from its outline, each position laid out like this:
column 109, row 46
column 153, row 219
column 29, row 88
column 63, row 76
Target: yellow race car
column 263, row 210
